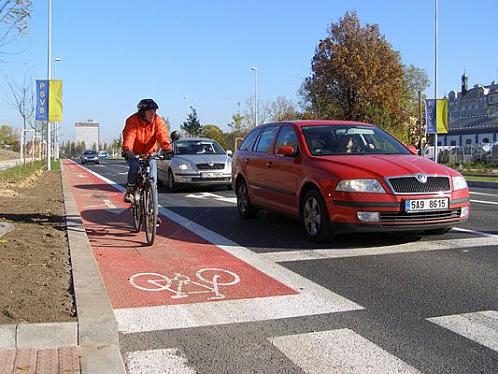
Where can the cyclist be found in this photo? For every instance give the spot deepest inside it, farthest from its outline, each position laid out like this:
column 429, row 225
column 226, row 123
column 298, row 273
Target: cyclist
column 142, row 131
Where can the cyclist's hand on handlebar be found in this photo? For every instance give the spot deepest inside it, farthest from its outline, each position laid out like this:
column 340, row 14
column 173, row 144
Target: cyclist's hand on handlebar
column 127, row 154
column 166, row 154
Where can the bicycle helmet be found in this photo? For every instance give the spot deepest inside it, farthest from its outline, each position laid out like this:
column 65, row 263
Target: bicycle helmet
column 146, row 104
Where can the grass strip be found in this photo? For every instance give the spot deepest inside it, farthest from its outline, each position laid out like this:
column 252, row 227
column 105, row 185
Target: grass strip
column 20, row 172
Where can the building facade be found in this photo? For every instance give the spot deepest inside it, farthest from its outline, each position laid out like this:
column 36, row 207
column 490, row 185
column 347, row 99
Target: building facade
column 88, row 132
column 472, row 115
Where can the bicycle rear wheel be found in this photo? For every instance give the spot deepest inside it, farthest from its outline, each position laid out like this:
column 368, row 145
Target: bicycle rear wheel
column 137, row 213
column 150, row 210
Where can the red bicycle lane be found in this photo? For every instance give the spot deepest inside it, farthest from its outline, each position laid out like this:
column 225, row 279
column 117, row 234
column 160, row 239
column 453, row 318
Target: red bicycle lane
column 179, row 268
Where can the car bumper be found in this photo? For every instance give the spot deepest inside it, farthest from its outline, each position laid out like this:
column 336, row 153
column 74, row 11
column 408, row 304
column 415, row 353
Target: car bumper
column 197, row 180
column 391, row 215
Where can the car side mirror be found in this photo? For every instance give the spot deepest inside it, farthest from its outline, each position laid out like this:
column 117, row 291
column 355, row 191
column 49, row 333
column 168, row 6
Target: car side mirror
column 229, row 153
column 175, row 135
column 286, row 150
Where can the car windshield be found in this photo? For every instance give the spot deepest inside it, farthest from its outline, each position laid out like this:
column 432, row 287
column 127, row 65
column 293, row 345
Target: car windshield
column 197, row 147
column 350, row 139
column 90, row 153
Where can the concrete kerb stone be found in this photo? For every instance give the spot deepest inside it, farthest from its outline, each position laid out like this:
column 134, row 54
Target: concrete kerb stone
column 8, row 336
column 98, row 329
column 47, row 335
column 6, row 227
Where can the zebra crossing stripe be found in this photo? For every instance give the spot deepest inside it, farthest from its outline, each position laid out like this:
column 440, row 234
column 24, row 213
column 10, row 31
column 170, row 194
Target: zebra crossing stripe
column 158, row 361
column 480, row 327
column 339, row 351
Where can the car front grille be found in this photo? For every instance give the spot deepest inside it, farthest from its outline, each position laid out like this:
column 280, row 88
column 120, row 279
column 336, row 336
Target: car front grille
column 410, row 184
column 208, row 167
column 402, row 217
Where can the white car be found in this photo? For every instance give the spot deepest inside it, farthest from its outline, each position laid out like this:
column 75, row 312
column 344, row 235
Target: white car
column 196, row 162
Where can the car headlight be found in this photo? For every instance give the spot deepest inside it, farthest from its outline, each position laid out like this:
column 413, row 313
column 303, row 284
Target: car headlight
column 184, row 167
column 459, row 183
column 360, row 185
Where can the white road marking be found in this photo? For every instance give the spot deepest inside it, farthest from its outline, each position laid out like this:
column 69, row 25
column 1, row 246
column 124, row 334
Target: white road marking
column 312, row 298
column 484, row 202
column 475, row 232
column 212, row 196
column 339, row 351
column 480, row 327
column 158, row 361
column 483, row 194
column 320, row 254
column 112, row 208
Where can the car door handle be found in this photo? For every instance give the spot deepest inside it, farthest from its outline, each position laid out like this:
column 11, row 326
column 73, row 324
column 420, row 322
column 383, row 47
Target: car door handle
column 268, row 164
column 247, row 160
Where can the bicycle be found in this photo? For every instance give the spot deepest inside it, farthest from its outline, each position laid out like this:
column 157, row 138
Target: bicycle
column 144, row 208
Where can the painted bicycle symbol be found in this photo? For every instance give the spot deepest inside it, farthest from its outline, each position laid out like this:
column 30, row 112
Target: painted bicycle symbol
column 208, row 281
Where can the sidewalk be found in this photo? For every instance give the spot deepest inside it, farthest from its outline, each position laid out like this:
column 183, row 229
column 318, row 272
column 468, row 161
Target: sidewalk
column 88, row 346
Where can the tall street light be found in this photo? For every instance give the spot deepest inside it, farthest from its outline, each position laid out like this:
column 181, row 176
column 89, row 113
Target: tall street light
column 255, row 69
column 56, row 130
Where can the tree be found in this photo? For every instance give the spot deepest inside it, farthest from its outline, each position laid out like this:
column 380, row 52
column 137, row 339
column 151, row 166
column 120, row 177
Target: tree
column 415, row 81
column 215, row 133
column 167, row 123
column 23, row 100
column 282, row 109
column 192, row 125
column 356, row 75
column 14, row 16
column 7, row 135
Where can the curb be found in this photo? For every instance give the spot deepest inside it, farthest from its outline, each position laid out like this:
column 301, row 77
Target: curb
column 6, row 227
column 98, row 333
column 482, row 184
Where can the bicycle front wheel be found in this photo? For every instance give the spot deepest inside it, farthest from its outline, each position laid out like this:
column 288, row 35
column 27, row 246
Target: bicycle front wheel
column 137, row 213
column 150, row 221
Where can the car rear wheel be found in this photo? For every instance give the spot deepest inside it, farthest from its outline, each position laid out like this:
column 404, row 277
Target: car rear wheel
column 246, row 209
column 315, row 217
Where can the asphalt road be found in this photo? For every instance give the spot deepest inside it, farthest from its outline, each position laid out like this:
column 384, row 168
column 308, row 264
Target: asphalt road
column 425, row 304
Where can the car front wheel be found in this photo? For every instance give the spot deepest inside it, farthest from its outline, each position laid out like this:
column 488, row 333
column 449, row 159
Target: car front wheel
column 170, row 183
column 315, row 217
column 246, row 209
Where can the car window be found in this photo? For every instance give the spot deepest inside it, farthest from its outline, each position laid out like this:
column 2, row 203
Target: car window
column 266, row 139
column 248, row 142
column 197, row 147
column 350, row 139
column 286, row 136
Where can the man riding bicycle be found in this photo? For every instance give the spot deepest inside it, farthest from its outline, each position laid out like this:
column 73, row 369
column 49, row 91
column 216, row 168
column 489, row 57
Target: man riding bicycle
column 141, row 133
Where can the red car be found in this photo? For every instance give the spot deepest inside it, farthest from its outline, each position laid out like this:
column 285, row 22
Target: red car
column 341, row 176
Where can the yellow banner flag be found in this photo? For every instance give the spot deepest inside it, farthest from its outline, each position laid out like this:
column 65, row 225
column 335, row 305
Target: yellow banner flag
column 441, row 117
column 55, row 101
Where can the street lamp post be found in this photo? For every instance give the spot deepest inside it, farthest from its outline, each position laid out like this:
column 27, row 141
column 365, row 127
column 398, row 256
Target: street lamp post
column 56, row 130
column 49, row 65
column 255, row 69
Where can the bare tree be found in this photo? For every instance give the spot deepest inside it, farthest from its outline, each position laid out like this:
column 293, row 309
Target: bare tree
column 282, row 109
column 263, row 113
column 23, row 100
column 14, row 15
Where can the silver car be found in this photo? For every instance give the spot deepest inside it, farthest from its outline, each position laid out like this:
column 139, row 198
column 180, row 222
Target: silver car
column 196, row 162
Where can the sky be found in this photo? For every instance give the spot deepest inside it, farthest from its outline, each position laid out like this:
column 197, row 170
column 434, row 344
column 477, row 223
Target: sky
column 199, row 53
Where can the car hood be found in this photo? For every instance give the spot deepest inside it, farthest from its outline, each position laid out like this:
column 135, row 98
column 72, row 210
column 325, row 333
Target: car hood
column 380, row 166
column 202, row 159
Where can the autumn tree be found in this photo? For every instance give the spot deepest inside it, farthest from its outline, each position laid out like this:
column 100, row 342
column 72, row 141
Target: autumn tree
column 215, row 133
column 356, row 75
column 192, row 125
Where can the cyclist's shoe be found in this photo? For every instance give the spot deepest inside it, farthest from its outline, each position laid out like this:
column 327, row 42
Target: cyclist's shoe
column 129, row 194
column 159, row 221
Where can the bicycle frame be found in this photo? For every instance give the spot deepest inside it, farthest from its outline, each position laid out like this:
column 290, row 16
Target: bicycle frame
column 145, row 210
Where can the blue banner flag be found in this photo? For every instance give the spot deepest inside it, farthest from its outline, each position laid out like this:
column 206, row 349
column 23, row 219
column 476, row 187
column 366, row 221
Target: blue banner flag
column 41, row 100
column 430, row 116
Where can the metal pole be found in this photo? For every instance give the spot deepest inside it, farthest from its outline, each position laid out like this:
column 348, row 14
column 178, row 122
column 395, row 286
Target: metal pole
column 435, row 76
column 256, row 96
column 49, row 141
column 421, row 127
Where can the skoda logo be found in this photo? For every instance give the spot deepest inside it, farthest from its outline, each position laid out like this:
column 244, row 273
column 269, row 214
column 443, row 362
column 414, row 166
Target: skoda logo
column 422, row 178
column 211, row 164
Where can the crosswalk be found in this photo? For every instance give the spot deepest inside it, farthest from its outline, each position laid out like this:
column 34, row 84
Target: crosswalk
column 333, row 351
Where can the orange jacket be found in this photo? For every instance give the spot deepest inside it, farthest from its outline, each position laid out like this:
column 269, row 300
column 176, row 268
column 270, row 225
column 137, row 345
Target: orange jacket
column 141, row 137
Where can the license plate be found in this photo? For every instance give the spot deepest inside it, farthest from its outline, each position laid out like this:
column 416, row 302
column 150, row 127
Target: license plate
column 420, row 205
column 212, row 175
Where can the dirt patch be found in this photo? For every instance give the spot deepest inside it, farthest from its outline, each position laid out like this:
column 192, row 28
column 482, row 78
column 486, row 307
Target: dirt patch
column 35, row 276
